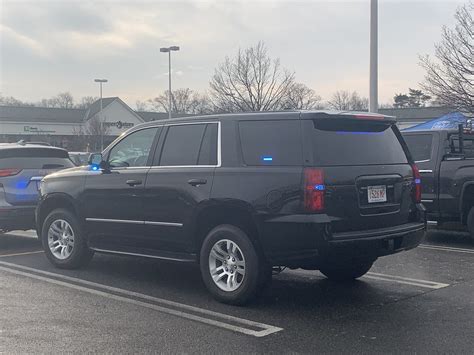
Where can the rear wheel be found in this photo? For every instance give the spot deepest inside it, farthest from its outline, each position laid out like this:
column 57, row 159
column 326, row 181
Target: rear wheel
column 63, row 240
column 230, row 266
column 470, row 222
column 348, row 271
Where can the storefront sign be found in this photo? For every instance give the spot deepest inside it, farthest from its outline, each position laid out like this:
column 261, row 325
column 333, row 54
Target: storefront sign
column 118, row 124
column 36, row 130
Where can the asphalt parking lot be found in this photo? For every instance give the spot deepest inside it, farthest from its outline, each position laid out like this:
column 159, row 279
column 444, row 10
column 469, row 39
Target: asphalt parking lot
column 419, row 301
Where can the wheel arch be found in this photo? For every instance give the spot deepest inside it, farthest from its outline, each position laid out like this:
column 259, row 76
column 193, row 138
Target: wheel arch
column 52, row 202
column 466, row 200
column 234, row 212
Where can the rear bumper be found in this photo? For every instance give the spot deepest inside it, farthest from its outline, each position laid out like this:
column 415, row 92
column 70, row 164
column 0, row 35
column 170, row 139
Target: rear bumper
column 17, row 217
column 309, row 242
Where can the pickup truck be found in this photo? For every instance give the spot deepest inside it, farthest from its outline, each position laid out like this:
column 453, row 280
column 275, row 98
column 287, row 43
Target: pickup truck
column 445, row 159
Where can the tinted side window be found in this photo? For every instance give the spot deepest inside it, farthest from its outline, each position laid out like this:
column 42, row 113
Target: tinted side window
column 182, row 145
column 271, row 142
column 419, row 146
column 208, row 150
column 134, row 149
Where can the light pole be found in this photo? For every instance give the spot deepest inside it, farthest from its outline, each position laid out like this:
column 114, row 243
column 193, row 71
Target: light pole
column 373, row 90
column 101, row 81
column 169, row 50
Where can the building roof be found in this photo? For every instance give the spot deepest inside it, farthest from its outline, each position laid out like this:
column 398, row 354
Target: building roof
column 41, row 114
column 417, row 113
column 94, row 108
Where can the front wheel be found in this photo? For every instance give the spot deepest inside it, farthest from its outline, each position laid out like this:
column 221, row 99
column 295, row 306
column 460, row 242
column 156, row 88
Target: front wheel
column 348, row 271
column 230, row 266
column 63, row 240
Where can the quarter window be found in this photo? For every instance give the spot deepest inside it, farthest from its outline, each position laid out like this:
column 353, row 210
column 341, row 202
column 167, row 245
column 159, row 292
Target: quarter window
column 133, row 150
column 190, row 144
column 271, row 142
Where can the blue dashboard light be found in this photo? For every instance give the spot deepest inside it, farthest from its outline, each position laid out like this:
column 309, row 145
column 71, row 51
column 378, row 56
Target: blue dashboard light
column 95, row 167
column 267, row 158
column 319, row 187
column 417, row 181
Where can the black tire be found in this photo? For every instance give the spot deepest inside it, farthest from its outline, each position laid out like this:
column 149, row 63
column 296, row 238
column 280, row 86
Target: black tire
column 470, row 222
column 80, row 254
column 253, row 279
column 348, row 271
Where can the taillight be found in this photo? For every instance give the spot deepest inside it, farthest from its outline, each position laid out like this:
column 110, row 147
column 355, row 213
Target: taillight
column 9, row 172
column 314, row 189
column 417, row 178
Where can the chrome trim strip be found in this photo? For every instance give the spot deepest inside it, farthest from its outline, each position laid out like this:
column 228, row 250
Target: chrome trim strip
column 129, row 221
column 422, row 161
column 169, row 224
column 143, row 255
column 427, row 201
column 114, row 220
column 425, row 171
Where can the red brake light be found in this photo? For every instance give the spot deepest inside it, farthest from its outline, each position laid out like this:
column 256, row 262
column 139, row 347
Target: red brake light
column 9, row 172
column 314, row 189
column 417, row 178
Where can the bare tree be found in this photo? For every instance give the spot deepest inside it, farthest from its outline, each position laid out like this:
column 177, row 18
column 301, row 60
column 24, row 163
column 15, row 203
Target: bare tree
column 86, row 102
column 184, row 101
column 450, row 78
column 63, row 100
column 251, row 81
column 345, row 101
column 11, row 101
column 140, row 105
column 301, row 97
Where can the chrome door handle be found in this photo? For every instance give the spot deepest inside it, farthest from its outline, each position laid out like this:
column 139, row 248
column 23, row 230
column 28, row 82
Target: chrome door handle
column 197, row 182
column 133, row 182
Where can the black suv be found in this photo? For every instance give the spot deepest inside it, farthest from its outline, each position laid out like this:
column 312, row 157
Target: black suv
column 22, row 166
column 239, row 194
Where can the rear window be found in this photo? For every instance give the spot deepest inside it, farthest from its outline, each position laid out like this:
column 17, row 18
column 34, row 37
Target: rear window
column 34, row 158
column 271, row 142
column 420, row 146
column 351, row 142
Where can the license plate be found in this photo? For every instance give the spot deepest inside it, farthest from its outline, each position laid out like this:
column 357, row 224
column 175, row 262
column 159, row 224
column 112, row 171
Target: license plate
column 377, row 193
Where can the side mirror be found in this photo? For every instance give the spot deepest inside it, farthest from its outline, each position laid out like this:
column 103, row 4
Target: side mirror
column 96, row 160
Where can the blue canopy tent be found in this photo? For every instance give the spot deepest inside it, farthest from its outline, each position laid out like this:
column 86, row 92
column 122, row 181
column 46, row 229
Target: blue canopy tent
column 448, row 121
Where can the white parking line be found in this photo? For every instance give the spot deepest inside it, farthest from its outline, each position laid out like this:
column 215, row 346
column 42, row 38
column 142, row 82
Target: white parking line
column 29, row 234
column 452, row 249
column 405, row 280
column 201, row 315
column 25, row 253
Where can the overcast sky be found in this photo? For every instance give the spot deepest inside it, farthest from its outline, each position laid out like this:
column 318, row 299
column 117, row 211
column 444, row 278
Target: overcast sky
column 49, row 47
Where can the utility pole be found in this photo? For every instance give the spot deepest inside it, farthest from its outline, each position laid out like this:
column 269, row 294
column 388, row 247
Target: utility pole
column 101, row 81
column 170, row 95
column 373, row 90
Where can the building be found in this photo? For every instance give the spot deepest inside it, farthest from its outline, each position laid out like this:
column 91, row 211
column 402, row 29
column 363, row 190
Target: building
column 73, row 129
column 80, row 129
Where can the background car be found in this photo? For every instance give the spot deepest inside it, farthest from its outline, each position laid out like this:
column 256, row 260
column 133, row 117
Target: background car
column 22, row 167
column 79, row 158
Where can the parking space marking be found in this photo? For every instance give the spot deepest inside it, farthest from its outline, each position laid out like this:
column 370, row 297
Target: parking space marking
column 406, row 280
column 452, row 249
column 220, row 320
column 25, row 253
column 29, row 234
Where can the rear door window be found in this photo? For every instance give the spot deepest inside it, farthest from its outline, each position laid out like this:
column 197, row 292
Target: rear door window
column 339, row 142
column 420, row 146
column 276, row 142
column 189, row 145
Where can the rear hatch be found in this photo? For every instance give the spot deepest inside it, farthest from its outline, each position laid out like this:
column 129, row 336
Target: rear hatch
column 367, row 176
column 22, row 168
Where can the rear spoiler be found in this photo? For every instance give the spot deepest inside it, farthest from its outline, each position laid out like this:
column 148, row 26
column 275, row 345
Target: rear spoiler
column 347, row 115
